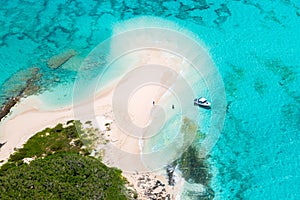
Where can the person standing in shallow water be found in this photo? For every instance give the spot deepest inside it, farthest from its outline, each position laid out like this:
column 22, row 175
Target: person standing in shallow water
column 173, row 107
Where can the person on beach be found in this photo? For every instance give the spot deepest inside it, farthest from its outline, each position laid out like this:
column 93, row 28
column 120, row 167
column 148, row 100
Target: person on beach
column 173, row 106
column 153, row 102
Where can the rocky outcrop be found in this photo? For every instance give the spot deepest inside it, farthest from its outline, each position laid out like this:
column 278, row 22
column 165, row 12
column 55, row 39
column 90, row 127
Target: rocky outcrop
column 7, row 107
column 28, row 88
column 153, row 188
column 170, row 172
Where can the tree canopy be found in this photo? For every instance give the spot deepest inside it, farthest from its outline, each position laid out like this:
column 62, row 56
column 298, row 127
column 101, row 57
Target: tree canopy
column 61, row 169
column 63, row 176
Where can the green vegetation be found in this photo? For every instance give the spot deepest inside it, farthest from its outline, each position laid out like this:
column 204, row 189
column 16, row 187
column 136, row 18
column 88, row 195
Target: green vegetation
column 47, row 142
column 60, row 169
column 63, row 176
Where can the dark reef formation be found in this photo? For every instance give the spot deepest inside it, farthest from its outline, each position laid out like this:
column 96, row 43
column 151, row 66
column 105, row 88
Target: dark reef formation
column 26, row 87
column 194, row 168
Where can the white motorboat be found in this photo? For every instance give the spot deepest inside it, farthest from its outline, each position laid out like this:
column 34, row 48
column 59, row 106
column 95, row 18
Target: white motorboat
column 203, row 102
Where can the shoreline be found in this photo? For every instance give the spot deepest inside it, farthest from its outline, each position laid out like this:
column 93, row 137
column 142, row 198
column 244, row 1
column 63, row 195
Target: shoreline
column 145, row 183
column 28, row 110
column 30, row 116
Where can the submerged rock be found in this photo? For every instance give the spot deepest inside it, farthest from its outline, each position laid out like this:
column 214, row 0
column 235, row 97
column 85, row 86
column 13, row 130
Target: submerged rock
column 7, row 107
column 58, row 60
column 170, row 172
column 26, row 86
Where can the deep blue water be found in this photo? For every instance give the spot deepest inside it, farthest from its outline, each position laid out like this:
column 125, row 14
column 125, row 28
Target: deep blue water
column 254, row 44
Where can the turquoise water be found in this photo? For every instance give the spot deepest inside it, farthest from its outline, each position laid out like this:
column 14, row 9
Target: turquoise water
column 254, row 44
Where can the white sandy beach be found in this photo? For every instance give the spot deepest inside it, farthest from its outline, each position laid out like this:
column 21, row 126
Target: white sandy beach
column 28, row 117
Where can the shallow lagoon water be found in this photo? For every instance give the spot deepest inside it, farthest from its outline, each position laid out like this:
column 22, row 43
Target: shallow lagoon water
column 255, row 46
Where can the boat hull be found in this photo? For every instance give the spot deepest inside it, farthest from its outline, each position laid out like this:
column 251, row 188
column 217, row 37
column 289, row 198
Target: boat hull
column 205, row 104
